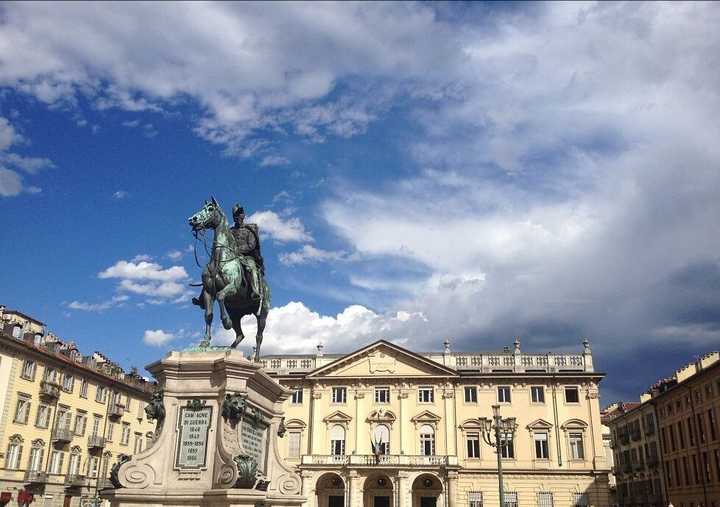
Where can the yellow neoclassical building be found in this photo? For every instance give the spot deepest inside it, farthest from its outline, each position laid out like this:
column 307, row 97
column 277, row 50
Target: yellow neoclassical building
column 64, row 417
column 422, row 413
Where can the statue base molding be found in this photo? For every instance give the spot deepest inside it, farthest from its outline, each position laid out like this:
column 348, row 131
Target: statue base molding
column 219, row 420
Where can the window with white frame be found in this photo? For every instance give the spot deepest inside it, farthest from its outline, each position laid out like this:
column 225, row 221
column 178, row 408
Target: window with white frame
column 28, row 370
column 22, row 409
column 17, row 332
column 63, row 418
column 50, row 375
column 101, row 394
column 96, row 426
column 339, row 395
column 545, row 499
column 68, row 382
column 577, row 448
column 110, row 431
column 74, row 465
column 503, row 394
column 37, row 451
column 472, row 442
column 537, row 394
column 125, row 437
column 511, row 499
column 470, row 394
column 337, row 440
column 56, row 462
column 297, row 396
column 541, row 445
column 42, row 420
column 381, row 438
column 138, row 447
column 294, row 439
column 572, row 394
column 475, row 499
column 507, row 446
column 80, row 423
column 426, row 394
column 382, row 395
column 580, row 500
column 93, row 466
column 14, row 453
column 427, row 440
column 83, row 388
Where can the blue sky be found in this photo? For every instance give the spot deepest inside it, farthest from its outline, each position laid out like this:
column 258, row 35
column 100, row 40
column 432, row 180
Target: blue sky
column 418, row 171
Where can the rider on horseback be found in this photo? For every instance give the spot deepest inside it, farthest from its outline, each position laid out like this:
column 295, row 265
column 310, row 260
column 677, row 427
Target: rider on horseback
column 247, row 252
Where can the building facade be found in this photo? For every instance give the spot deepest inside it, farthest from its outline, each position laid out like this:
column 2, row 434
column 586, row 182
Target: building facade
column 387, row 427
column 686, row 434
column 65, row 418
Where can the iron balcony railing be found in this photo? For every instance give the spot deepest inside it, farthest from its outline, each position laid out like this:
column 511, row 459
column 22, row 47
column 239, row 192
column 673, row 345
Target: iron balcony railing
column 96, row 442
column 49, row 389
column 75, row 480
column 116, row 410
column 63, row 435
column 36, row 476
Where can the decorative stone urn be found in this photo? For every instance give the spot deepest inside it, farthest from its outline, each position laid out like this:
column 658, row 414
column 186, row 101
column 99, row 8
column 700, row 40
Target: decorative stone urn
column 219, row 418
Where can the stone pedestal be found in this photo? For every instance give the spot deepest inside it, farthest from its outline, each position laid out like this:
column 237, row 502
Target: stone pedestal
column 216, row 443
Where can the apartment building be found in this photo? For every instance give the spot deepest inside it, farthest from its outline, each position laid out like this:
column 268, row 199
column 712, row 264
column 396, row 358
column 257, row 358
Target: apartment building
column 65, row 418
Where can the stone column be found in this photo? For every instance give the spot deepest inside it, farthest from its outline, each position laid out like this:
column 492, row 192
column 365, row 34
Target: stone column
column 402, row 394
column 452, row 480
column 315, row 423
column 308, row 489
column 356, row 493
column 403, row 495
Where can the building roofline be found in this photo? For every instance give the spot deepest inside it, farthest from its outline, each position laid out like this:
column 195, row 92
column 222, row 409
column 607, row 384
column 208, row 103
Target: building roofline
column 24, row 316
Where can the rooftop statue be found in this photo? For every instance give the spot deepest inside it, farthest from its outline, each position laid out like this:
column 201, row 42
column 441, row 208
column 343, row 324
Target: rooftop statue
column 235, row 273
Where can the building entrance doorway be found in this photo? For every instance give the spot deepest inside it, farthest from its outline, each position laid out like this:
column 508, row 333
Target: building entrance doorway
column 426, row 489
column 428, row 501
column 336, row 501
column 381, row 501
column 68, row 499
column 330, row 490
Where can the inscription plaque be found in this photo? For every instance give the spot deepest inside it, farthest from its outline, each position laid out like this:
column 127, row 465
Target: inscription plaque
column 193, row 430
column 252, row 439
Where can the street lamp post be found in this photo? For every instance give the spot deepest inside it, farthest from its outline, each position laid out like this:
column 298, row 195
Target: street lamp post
column 504, row 430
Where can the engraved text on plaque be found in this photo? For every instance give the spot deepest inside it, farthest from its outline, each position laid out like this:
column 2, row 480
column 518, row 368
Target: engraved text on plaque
column 193, row 429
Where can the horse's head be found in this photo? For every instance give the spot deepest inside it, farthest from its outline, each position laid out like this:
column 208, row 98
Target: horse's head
column 208, row 217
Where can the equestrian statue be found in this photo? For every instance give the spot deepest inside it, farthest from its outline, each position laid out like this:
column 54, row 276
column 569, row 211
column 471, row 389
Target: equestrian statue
column 235, row 273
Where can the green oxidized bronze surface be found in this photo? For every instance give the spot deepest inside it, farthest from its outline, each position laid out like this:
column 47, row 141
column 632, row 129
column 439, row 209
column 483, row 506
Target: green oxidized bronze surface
column 234, row 275
column 247, row 469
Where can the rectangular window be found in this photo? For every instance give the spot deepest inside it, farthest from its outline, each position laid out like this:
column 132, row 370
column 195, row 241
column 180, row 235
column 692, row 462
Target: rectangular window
column 470, row 394
column 668, row 475
column 577, row 449
column 382, row 395
column 503, row 394
column 507, row 447
column 83, row 388
column 50, row 375
column 80, row 423
column 22, row 410
column 473, row 445
column 36, row 459
column 545, row 499
column 297, row 397
column 93, row 467
column 43, row 416
column 68, row 382
column 537, row 394
column 706, row 466
column 511, row 499
column 691, row 431
column 426, row 394
column 712, row 423
column 28, row 370
column 100, row 394
column 138, row 447
column 696, row 470
column 681, row 435
column 125, row 437
column 541, row 445
column 475, row 499
column 97, row 426
column 671, row 432
column 580, row 500
column 110, row 431
column 701, row 427
column 56, row 462
column 572, row 395
column 292, row 364
column 339, row 395
column 337, row 447
column 686, row 474
column 14, row 453
column 294, row 444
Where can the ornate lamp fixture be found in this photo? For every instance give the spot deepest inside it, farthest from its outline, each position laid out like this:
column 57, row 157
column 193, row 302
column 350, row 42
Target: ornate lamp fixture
column 504, row 430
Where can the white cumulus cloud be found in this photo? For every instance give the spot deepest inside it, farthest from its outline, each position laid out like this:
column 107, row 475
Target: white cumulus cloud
column 157, row 337
column 278, row 228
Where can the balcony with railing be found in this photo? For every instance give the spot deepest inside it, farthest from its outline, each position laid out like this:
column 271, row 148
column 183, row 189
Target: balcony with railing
column 36, row 476
column 49, row 389
column 116, row 410
column 382, row 460
column 635, row 434
column 75, row 481
column 96, row 442
column 624, row 438
column 62, row 435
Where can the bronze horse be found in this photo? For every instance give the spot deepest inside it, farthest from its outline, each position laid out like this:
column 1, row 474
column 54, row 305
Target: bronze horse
column 225, row 279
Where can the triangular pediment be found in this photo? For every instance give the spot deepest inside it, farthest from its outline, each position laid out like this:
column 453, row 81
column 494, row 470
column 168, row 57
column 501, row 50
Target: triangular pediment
column 425, row 417
column 337, row 417
column 386, row 359
column 539, row 424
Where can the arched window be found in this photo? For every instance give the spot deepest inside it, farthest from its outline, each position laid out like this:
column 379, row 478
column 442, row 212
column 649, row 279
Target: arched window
column 37, row 451
column 75, row 456
column 337, row 440
column 381, row 438
column 14, row 452
column 427, row 440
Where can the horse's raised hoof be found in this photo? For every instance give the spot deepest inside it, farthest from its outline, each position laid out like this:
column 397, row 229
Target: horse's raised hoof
column 227, row 323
